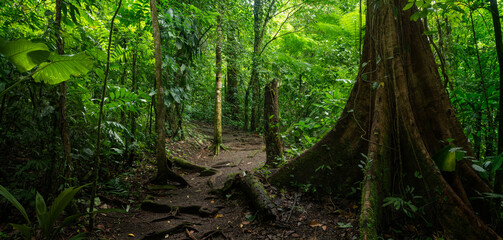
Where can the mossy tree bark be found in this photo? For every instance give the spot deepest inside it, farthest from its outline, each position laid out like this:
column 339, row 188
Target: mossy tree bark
column 217, row 134
column 398, row 116
column 273, row 145
column 164, row 173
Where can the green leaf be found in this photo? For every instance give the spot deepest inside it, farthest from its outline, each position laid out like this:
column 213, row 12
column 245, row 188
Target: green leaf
column 40, row 204
column 4, row 192
column 59, row 204
column 24, row 53
column 41, row 209
column 408, row 6
column 23, row 229
column 446, row 159
column 61, row 68
column 478, row 168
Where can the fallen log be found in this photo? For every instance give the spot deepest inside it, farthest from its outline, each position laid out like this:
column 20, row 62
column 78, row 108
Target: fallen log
column 203, row 170
column 255, row 192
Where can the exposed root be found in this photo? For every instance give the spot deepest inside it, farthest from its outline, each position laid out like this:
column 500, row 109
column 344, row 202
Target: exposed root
column 152, row 206
column 216, row 147
column 204, row 171
column 158, row 235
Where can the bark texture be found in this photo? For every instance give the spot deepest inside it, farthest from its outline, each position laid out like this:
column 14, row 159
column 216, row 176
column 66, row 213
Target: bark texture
column 163, row 172
column 217, row 134
column 273, row 145
column 397, row 117
column 63, row 122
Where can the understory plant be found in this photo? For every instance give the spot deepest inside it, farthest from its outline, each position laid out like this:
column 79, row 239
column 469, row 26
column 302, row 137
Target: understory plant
column 46, row 216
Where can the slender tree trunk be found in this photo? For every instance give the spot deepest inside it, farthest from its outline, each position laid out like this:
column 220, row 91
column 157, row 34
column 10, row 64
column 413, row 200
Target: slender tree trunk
column 255, row 81
column 245, row 110
column 232, row 74
column 132, row 115
column 97, row 154
column 399, row 116
column 217, row 134
column 483, row 89
column 63, row 122
column 273, row 145
column 163, row 172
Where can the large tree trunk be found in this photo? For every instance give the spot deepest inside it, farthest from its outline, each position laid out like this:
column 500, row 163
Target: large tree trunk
column 398, row 116
column 217, row 134
column 163, row 172
column 273, row 146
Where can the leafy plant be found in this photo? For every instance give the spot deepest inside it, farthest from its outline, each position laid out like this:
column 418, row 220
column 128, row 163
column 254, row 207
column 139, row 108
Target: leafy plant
column 52, row 68
column 46, row 216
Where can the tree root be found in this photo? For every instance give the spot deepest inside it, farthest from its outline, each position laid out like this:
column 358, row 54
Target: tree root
column 152, row 206
column 204, row 171
column 216, row 148
column 158, row 235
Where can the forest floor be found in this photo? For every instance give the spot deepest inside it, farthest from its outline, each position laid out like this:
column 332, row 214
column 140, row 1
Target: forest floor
column 197, row 213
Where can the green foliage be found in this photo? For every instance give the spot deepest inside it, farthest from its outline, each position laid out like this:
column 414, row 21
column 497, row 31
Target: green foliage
column 46, row 217
column 405, row 204
column 447, row 157
column 61, row 68
column 24, row 53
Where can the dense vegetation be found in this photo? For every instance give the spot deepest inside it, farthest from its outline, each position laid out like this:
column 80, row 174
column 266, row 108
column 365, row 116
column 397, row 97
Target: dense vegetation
column 53, row 123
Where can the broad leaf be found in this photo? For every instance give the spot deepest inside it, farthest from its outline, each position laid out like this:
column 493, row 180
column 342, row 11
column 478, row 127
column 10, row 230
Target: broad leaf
column 59, row 204
column 24, row 53
column 61, row 68
column 446, row 159
column 23, row 229
column 4, row 192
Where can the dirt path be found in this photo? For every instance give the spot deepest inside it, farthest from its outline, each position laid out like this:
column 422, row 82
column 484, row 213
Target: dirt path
column 196, row 213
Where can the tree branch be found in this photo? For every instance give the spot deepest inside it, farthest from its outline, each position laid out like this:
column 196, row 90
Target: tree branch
column 291, row 13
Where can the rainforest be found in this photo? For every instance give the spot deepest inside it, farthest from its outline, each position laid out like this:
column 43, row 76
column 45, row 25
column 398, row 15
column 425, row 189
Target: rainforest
column 251, row 119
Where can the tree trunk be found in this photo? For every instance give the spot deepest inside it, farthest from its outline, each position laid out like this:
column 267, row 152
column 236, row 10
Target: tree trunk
column 254, row 80
column 217, row 134
column 63, row 122
column 273, row 146
column 398, row 116
column 498, row 180
column 232, row 74
column 163, row 172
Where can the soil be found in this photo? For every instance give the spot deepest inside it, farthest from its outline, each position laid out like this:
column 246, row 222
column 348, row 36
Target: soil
column 198, row 213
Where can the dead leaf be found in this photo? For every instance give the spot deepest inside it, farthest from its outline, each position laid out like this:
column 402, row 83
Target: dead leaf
column 100, row 227
column 324, row 227
column 314, row 223
column 245, row 222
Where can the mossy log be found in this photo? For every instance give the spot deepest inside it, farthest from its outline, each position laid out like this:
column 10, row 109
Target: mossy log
column 255, row 191
column 204, row 171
